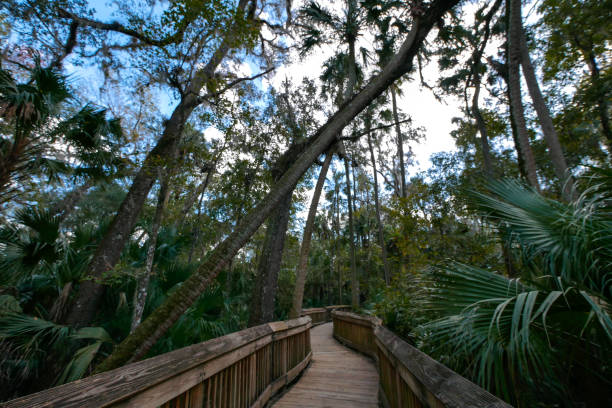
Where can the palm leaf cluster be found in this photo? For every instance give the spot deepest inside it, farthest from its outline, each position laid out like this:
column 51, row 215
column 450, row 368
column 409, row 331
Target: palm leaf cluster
column 528, row 338
column 41, row 264
column 42, row 135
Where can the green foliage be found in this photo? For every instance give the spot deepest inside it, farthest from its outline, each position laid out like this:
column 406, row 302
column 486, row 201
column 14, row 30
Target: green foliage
column 41, row 133
column 527, row 340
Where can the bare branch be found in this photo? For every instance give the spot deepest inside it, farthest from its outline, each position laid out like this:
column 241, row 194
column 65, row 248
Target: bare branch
column 117, row 27
column 358, row 135
column 233, row 84
column 70, row 44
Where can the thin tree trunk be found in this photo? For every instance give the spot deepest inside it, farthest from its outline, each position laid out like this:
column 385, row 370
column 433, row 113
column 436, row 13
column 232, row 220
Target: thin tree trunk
column 142, row 281
column 109, row 251
column 602, row 91
column 514, row 86
column 300, row 275
column 194, row 196
column 136, row 345
column 195, row 232
column 66, row 205
column 476, row 66
column 503, row 72
column 400, row 143
column 550, row 134
column 337, row 238
column 482, row 129
column 381, row 236
column 354, row 277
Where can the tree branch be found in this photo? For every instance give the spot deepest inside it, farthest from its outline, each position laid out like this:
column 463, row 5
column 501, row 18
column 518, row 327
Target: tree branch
column 233, row 84
column 117, row 27
column 358, row 135
column 70, row 44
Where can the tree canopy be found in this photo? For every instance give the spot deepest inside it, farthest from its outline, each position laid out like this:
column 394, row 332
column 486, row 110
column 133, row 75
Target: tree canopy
column 173, row 171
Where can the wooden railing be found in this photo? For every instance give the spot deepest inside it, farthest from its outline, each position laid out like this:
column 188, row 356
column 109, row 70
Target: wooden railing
column 242, row 369
column 322, row 314
column 408, row 377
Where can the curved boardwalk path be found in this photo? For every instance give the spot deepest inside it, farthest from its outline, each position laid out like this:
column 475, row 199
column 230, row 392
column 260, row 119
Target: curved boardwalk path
column 337, row 377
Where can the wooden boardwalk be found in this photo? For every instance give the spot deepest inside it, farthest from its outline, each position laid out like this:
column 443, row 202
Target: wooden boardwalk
column 337, row 377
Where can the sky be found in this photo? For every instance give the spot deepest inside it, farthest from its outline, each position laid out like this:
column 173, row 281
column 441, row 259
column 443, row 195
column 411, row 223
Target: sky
column 434, row 116
column 418, row 102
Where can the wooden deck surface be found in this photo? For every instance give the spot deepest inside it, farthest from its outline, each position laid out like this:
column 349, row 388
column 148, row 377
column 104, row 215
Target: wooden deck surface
column 337, row 377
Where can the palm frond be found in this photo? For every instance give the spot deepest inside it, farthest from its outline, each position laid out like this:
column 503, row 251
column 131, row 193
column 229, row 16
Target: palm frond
column 499, row 330
column 574, row 239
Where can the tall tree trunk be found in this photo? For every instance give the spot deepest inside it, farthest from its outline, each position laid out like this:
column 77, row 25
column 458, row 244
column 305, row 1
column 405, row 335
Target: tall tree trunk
column 109, row 251
column 337, row 238
column 300, row 275
column 142, row 281
column 381, row 236
column 354, row 277
column 266, row 285
column 400, row 142
column 601, row 89
column 264, row 294
column 482, row 129
column 136, row 345
column 514, row 87
column 503, row 71
column 476, row 67
column 550, row 134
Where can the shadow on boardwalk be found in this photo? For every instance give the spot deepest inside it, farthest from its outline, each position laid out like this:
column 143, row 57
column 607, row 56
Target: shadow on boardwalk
column 337, row 377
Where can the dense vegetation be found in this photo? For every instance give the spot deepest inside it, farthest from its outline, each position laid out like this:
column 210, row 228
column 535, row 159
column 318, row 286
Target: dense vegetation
column 163, row 181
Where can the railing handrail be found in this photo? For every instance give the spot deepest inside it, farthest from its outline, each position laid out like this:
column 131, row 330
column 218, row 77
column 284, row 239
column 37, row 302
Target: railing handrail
column 429, row 381
column 193, row 364
column 320, row 315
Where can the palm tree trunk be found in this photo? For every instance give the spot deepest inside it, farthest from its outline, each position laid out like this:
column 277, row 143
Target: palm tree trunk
column 300, row 275
column 142, row 281
column 381, row 236
column 354, row 277
column 400, row 142
column 136, row 345
column 550, row 134
column 109, row 251
column 514, row 87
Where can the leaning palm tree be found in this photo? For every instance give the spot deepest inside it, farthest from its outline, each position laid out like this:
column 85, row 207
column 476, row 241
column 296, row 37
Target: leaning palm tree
column 534, row 338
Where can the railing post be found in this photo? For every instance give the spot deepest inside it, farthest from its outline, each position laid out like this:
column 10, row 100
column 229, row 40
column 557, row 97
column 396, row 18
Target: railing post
column 284, row 351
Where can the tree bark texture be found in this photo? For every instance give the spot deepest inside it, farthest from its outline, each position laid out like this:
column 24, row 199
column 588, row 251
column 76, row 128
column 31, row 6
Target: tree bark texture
column 400, row 142
column 354, row 277
column 514, row 87
column 270, row 257
column 548, row 130
column 381, row 233
column 136, row 345
column 109, row 251
column 601, row 89
column 266, row 285
column 302, row 268
column 476, row 67
column 142, row 281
